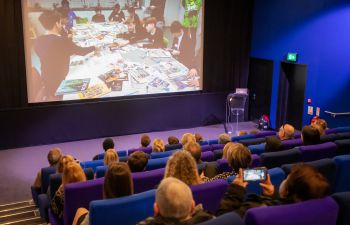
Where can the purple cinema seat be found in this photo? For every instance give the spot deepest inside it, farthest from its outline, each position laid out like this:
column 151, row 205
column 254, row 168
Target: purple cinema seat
column 147, row 180
column 265, row 134
column 217, row 146
column 289, row 144
column 321, row 151
column 331, row 131
column 79, row 195
column 223, row 166
column 320, row 211
column 255, row 160
column 207, row 156
column 147, row 150
column 209, row 194
column 206, row 148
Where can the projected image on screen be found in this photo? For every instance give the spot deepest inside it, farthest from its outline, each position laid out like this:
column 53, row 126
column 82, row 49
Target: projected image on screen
column 86, row 49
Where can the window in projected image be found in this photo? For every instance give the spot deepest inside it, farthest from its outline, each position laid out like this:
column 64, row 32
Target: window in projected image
column 86, row 49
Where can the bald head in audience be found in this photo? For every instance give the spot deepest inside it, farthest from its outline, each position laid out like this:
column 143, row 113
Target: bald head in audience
column 286, row 132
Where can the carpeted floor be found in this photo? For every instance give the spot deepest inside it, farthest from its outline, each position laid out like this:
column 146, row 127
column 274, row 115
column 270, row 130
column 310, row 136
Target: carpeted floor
column 18, row 167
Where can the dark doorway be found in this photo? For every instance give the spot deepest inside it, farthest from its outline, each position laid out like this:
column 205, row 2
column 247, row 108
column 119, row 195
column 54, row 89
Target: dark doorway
column 291, row 94
column 260, row 87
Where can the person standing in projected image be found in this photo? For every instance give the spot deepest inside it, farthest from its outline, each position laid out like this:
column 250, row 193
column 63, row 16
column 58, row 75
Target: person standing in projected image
column 54, row 51
column 157, row 9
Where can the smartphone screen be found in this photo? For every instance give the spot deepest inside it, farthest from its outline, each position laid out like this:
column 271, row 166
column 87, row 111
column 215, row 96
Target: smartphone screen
column 257, row 174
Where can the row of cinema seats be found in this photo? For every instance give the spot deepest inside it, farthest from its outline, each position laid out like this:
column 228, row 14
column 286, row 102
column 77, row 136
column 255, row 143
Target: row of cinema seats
column 209, row 194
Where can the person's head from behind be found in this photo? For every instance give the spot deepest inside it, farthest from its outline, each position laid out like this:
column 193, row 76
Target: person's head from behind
column 286, row 132
column 187, row 138
column 198, row 137
column 176, row 29
column 273, row 144
column 227, row 149
column 172, row 140
column 145, row 140
column 158, row 145
column 118, row 181
column 195, row 150
column 64, row 160
column 182, row 166
column 304, row 183
column 310, row 135
column 51, row 21
column 224, row 138
column 108, row 143
column 321, row 125
column 150, row 24
column 238, row 156
column 242, row 133
column 73, row 173
column 54, row 156
column 174, row 200
column 110, row 157
column 137, row 161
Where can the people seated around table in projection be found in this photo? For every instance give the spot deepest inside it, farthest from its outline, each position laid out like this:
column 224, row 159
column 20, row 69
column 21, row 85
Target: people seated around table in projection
column 238, row 156
column 117, row 15
column 172, row 140
column 195, row 150
column 72, row 173
column 137, row 161
column 54, row 52
column 273, row 144
column 187, row 138
column 174, row 204
column 111, row 156
column 310, row 135
column 183, row 47
column 98, row 17
column 154, row 35
column 117, row 183
column 286, row 132
column 224, row 138
column 135, row 33
column 53, row 157
column 158, row 145
column 145, row 141
column 157, row 8
column 303, row 183
column 182, row 166
column 322, row 125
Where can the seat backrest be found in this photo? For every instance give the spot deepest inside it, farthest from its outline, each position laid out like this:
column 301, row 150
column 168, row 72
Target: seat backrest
column 45, row 177
column 343, row 146
column 173, row 147
column 213, row 142
column 257, row 149
column 315, row 152
column 79, row 195
column 331, row 131
column 343, row 200
column 344, row 135
column 55, row 181
column 265, row 133
column 207, row 156
column 101, row 171
column 206, row 148
column 328, row 138
column 326, row 167
column 255, row 161
column 156, row 163
column 201, row 143
column 254, row 141
column 342, row 129
column 89, row 173
column 147, row 150
column 126, row 210
column 320, row 211
column 276, row 159
column 230, row 218
column 157, row 155
column 243, row 137
column 342, row 182
column 223, row 166
column 218, row 154
column 147, row 180
column 92, row 164
column 209, row 194
column 121, row 153
column 289, row 144
column 217, row 146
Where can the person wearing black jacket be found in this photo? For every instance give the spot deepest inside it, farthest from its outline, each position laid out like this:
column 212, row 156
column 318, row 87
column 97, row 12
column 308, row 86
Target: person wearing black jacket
column 135, row 32
column 154, row 34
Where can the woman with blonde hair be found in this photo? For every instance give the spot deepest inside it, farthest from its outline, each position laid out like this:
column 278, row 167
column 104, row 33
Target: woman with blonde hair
column 72, row 173
column 182, row 166
column 158, row 145
column 63, row 162
column 227, row 150
column 111, row 156
column 187, row 138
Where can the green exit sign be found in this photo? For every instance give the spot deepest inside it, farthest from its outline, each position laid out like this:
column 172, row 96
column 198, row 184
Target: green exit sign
column 292, row 57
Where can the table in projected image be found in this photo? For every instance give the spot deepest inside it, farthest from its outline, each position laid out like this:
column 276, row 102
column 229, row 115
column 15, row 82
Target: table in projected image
column 129, row 70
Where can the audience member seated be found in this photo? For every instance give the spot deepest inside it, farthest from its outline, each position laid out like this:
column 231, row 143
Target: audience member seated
column 273, row 144
column 242, row 133
column 107, row 143
column 118, row 183
column 137, row 161
column 286, row 132
column 63, row 162
column 72, row 173
column 238, row 156
column 224, row 138
column 98, row 17
column 310, row 135
column 145, row 141
column 323, row 124
column 195, row 150
column 302, row 184
column 174, row 204
column 154, row 34
column 253, row 131
column 53, row 157
column 117, row 14
column 172, row 140
column 199, row 137
column 227, row 150
column 182, row 166
column 187, row 138
column 111, row 156
column 158, row 145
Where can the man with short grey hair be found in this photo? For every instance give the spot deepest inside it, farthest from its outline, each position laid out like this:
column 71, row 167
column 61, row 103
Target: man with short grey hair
column 224, row 138
column 175, row 205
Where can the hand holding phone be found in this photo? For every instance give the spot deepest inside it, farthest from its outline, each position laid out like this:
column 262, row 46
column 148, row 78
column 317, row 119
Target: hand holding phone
column 256, row 174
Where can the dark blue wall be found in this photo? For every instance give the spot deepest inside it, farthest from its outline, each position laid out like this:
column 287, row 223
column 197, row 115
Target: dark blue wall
column 319, row 30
